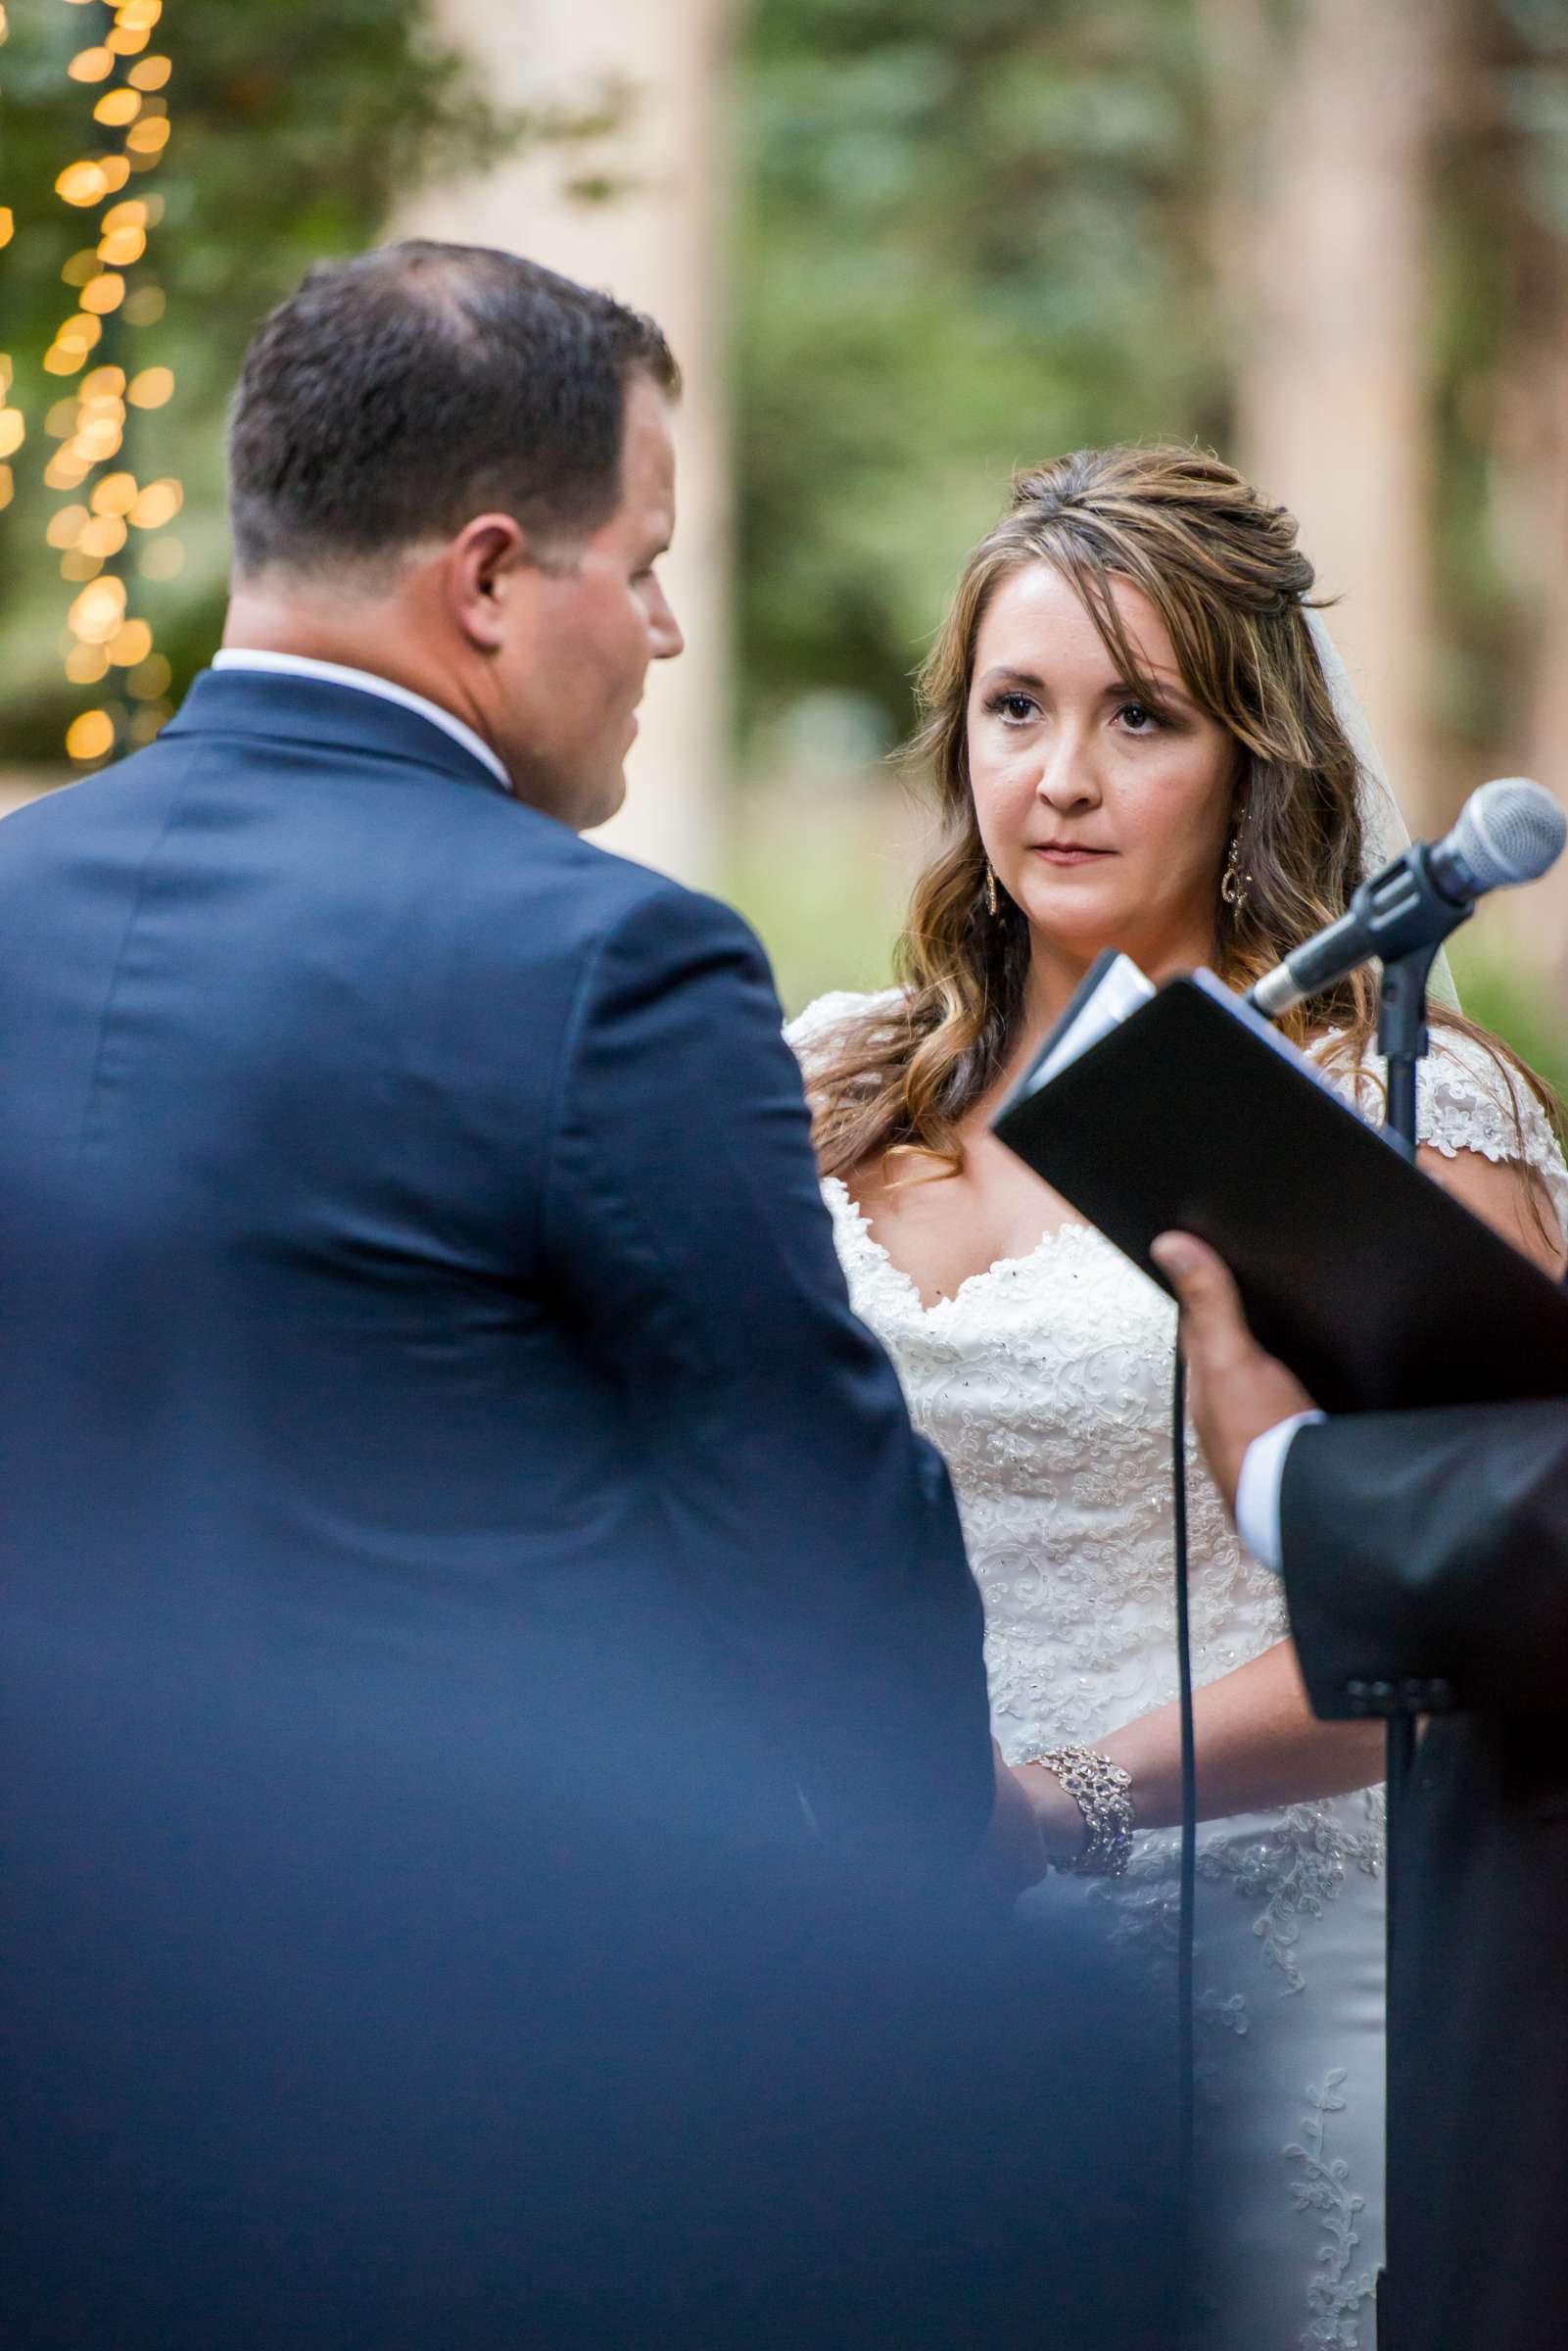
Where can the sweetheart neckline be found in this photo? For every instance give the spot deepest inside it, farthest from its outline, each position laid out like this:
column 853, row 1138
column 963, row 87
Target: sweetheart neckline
column 970, row 1281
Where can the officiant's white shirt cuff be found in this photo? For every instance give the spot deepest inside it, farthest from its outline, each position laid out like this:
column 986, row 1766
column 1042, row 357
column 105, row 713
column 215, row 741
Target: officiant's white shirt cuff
column 1262, row 1472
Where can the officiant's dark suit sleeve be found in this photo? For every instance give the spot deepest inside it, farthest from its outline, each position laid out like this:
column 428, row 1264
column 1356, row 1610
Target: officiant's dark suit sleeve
column 1426, row 1566
column 687, row 1241
column 1426, row 1561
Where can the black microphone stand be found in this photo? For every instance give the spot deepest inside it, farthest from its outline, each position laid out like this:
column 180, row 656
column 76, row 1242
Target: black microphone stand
column 1403, row 1038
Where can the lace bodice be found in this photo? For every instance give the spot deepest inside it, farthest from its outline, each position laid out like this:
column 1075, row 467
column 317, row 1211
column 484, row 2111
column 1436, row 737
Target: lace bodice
column 1046, row 1383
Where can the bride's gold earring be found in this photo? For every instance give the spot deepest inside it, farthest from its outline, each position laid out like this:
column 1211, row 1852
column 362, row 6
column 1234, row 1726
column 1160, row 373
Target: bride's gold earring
column 1233, row 883
column 993, row 902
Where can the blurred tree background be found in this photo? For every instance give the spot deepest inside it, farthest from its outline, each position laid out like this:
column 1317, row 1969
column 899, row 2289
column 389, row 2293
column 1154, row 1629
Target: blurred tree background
column 295, row 131
column 1328, row 237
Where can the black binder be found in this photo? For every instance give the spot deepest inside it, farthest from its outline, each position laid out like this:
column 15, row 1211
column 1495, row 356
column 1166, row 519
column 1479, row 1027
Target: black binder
column 1373, row 1283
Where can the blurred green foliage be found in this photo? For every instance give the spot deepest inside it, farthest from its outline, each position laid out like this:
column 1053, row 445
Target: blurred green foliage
column 968, row 238
column 972, row 237
column 296, row 132
column 1499, row 991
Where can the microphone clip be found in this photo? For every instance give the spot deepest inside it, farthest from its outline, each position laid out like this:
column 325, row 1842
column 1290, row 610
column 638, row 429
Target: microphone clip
column 1405, row 909
column 1398, row 912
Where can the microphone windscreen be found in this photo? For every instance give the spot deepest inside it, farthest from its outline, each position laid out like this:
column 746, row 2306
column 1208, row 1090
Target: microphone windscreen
column 1510, row 830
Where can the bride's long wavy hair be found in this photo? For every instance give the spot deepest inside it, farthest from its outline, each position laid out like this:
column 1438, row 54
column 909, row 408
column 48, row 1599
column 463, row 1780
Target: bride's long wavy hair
column 1222, row 570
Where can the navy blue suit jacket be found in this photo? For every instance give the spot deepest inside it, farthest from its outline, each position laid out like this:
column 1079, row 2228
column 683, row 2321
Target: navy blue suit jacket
column 455, row 1528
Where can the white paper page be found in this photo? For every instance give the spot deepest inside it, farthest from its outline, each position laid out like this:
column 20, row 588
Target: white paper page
column 1122, row 989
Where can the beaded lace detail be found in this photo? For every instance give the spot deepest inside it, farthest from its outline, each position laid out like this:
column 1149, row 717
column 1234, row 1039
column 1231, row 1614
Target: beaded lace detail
column 1468, row 1101
column 1338, row 2297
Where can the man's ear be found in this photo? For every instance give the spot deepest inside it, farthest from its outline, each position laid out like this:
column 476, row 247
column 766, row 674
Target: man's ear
column 486, row 567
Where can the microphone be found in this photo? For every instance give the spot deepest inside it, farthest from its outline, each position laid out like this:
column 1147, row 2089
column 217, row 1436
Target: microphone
column 1508, row 831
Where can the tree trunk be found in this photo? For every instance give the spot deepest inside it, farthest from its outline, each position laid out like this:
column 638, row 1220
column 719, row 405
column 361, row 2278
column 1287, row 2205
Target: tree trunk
column 1531, row 435
column 642, row 209
column 1334, row 411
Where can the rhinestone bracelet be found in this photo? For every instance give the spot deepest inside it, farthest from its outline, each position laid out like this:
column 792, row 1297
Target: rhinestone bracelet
column 1100, row 1789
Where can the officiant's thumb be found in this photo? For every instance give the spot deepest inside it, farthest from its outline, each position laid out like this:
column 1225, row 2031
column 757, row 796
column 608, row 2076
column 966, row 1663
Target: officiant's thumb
column 1201, row 1281
column 1177, row 1255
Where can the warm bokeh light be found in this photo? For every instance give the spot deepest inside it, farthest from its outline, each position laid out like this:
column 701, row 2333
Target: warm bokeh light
column 157, row 505
column 117, row 494
column 121, row 247
column 103, row 537
column 91, row 426
column 13, row 431
column 7, row 225
column 97, row 611
column 130, row 643
column 8, row 486
column 150, row 388
column 67, row 526
column 99, row 440
column 106, row 293
column 85, row 664
column 90, row 735
column 83, row 183
column 117, row 106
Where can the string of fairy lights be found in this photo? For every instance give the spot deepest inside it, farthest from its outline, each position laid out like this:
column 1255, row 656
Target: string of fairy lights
column 13, row 424
column 107, row 531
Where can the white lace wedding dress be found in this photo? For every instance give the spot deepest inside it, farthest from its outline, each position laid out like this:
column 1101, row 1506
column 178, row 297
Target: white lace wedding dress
column 1046, row 1382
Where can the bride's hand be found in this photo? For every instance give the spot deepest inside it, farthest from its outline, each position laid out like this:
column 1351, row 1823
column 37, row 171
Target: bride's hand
column 1014, row 1855
column 1035, row 1822
column 1059, row 1816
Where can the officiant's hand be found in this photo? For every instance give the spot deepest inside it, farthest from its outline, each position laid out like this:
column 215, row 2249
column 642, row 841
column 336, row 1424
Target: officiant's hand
column 1235, row 1390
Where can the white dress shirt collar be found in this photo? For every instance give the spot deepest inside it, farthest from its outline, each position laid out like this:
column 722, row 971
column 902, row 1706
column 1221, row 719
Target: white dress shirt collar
column 364, row 680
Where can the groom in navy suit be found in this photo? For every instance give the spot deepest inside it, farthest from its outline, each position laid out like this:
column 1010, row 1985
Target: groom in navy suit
column 486, row 1655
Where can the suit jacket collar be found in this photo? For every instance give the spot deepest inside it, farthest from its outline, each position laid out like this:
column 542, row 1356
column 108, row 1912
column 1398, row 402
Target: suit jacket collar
column 273, row 707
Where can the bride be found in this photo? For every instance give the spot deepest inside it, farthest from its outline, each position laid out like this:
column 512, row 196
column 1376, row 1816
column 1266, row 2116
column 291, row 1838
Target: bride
column 1141, row 738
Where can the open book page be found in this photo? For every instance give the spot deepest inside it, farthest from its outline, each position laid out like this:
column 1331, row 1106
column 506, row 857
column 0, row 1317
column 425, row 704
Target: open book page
column 1112, row 988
